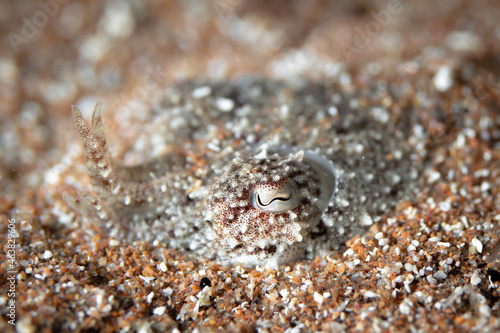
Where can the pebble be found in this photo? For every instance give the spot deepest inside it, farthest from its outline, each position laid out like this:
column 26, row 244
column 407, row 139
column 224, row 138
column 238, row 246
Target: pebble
column 445, row 206
column 475, row 279
column 224, row 104
column 163, row 267
column 47, row 254
column 443, row 80
column 159, row 311
column 440, row 275
column 201, row 92
column 478, row 245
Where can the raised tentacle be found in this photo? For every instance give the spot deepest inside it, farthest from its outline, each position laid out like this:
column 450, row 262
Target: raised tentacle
column 99, row 165
column 130, row 189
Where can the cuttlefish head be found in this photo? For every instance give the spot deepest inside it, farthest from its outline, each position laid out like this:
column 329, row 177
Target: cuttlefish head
column 263, row 208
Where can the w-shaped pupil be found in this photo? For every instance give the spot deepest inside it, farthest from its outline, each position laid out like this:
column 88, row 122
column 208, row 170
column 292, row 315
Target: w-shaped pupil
column 280, row 200
column 272, row 200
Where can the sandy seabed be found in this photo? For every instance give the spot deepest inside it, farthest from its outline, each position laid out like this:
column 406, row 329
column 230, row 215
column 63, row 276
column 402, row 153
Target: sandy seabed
column 432, row 264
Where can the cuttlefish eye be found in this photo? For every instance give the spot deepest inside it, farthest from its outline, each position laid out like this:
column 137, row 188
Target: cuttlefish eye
column 275, row 197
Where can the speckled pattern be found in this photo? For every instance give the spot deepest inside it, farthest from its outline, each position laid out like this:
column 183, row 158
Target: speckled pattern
column 373, row 166
column 411, row 86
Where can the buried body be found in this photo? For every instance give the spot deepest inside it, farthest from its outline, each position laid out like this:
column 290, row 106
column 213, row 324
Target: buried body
column 253, row 176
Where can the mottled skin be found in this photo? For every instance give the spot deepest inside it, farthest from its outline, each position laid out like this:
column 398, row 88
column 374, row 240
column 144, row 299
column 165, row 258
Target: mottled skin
column 251, row 231
column 270, row 205
column 128, row 193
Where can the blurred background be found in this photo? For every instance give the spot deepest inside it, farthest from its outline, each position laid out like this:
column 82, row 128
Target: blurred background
column 55, row 53
column 440, row 59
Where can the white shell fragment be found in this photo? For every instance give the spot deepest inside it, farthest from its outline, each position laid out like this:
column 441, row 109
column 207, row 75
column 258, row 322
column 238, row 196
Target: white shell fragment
column 478, row 245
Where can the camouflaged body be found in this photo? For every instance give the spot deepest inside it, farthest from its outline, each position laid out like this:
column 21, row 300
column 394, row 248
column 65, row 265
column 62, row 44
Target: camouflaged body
column 330, row 168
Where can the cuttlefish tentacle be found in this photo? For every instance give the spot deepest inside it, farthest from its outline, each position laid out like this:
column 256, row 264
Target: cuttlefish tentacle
column 90, row 205
column 99, row 163
column 119, row 186
column 132, row 173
